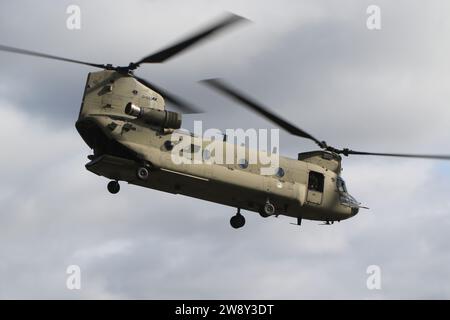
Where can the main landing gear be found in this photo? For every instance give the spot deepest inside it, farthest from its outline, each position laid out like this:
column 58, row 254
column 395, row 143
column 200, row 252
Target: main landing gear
column 113, row 187
column 267, row 210
column 237, row 221
column 142, row 173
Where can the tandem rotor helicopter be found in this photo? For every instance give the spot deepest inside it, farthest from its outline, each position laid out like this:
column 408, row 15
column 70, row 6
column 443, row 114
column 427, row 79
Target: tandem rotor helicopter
column 124, row 121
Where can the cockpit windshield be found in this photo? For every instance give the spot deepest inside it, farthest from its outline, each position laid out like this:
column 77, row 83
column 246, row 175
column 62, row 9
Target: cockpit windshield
column 341, row 185
column 345, row 198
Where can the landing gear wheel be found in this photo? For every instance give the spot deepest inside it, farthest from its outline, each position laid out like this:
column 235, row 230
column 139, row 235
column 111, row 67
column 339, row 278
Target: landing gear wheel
column 268, row 210
column 263, row 214
column 237, row 221
column 142, row 173
column 113, row 187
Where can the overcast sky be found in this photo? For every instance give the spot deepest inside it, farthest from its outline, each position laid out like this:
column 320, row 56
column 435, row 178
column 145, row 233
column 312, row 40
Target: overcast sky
column 315, row 63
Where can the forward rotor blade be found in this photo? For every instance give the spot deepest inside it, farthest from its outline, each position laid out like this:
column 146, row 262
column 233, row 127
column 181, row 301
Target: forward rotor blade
column 47, row 56
column 185, row 107
column 184, row 44
column 220, row 86
column 401, row 155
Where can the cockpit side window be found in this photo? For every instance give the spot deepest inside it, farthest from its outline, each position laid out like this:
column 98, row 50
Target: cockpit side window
column 341, row 185
column 315, row 181
column 345, row 198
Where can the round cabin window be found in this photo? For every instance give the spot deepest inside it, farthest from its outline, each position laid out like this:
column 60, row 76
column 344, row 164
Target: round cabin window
column 206, row 154
column 280, row 172
column 168, row 145
column 243, row 163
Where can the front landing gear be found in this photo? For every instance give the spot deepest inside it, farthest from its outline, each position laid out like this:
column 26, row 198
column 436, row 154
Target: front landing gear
column 113, row 187
column 268, row 210
column 237, row 221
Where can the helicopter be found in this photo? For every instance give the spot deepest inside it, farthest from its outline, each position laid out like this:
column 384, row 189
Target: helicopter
column 124, row 121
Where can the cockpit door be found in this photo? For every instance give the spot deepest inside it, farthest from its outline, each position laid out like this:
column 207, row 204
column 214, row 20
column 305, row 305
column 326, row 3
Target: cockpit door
column 315, row 187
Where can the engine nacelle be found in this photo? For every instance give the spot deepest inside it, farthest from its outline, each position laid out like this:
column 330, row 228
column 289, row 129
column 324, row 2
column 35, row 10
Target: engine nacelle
column 155, row 117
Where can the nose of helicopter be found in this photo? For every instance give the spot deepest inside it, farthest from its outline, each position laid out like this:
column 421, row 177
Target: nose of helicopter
column 349, row 201
column 355, row 211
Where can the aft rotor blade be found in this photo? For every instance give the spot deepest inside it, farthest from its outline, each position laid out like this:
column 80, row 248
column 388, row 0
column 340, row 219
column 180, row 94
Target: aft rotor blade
column 185, row 107
column 47, row 56
column 401, row 155
column 220, row 86
column 184, row 44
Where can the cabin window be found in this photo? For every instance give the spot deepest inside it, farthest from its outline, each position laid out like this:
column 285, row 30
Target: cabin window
column 243, row 163
column 206, row 154
column 188, row 151
column 315, row 181
column 195, row 148
column 280, row 172
column 168, row 145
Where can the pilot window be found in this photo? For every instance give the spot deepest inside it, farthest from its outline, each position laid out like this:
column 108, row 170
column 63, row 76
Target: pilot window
column 315, row 181
column 341, row 185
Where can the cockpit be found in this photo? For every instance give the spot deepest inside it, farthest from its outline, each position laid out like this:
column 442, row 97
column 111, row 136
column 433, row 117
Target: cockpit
column 341, row 185
column 344, row 197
